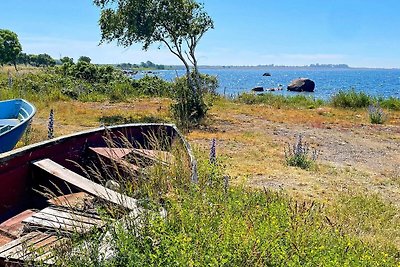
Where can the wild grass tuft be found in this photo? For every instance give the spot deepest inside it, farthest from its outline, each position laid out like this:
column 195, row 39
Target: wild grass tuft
column 300, row 155
column 278, row 101
column 376, row 114
column 206, row 225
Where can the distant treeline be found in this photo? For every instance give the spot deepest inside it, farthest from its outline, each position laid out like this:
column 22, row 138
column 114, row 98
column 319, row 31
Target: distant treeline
column 41, row 60
column 142, row 65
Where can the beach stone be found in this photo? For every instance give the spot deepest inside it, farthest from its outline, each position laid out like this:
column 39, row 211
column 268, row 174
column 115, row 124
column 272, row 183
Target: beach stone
column 302, row 85
column 258, row 89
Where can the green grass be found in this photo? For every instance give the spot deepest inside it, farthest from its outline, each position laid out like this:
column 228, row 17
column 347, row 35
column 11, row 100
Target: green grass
column 278, row 101
column 208, row 225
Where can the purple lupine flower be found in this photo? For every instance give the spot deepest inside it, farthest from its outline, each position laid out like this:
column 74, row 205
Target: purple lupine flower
column 50, row 127
column 213, row 154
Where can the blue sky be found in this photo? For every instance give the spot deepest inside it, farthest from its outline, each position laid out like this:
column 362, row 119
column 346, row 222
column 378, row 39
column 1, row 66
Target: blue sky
column 363, row 33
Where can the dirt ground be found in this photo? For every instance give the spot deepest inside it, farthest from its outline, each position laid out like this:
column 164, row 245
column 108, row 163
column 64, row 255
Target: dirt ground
column 354, row 155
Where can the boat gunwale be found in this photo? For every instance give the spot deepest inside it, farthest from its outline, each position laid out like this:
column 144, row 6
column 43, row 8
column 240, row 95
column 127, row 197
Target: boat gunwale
column 25, row 120
column 4, row 157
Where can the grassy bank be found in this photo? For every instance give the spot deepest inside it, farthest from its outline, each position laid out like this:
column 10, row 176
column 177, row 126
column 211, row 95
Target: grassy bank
column 215, row 224
column 342, row 99
column 351, row 197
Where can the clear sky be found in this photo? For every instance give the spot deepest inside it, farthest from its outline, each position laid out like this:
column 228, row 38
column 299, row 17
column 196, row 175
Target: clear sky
column 361, row 33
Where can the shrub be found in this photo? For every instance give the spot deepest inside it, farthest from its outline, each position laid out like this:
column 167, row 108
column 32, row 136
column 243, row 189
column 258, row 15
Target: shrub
column 278, row 101
column 351, row 99
column 392, row 103
column 376, row 114
column 189, row 107
column 300, row 155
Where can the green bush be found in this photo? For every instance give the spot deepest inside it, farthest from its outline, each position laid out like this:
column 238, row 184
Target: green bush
column 392, row 103
column 278, row 101
column 351, row 99
column 189, row 107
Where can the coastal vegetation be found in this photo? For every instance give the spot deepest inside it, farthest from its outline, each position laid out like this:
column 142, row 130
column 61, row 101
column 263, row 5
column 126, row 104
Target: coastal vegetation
column 178, row 25
column 261, row 199
column 307, row 222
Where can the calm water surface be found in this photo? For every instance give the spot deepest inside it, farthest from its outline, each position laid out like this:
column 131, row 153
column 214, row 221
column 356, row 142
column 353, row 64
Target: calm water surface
column 328, row 82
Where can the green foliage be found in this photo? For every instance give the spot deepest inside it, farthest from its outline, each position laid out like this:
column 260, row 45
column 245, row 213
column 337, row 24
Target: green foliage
column 67, row 60
column 351, row 99
column 9, row 47
column 189, row 108
column 300, row 155
column 153, row 86
column 392, row 103
column 278, row 101
column 84, row 59
column 366, row 215
column 376, row 114
column 177, row 24
column 208, row 226
column 118, row 119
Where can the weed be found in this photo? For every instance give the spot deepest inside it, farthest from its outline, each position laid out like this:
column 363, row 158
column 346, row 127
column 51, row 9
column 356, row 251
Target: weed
column 376, row 114
column 299, row 154
column 278, row 101
column 351, row 99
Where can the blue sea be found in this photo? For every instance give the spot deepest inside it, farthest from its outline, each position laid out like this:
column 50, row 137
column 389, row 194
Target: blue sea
column 385, row 83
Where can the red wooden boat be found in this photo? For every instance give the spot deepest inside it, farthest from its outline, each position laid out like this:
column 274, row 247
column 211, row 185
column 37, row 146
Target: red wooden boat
column 58, row 163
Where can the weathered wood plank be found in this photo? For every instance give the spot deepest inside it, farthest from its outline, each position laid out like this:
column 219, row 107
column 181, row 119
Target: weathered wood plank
column 87, row 218
column 86, row 185
column 34, row 246
column 116, row 155
column 16, row 245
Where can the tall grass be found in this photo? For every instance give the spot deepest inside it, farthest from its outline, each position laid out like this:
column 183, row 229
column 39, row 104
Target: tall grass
column 278, row 101
column 206, row 225
column 343, row 99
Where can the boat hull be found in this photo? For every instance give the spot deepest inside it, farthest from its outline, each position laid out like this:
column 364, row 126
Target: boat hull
column 17, row 175
column 16, row 109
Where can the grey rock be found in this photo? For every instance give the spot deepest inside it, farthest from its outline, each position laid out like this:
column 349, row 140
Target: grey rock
column 301, row 85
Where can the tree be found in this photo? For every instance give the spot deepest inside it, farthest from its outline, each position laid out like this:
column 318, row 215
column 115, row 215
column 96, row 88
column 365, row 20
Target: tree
column 177, row 24
column 22, row 58
column 84, row 59
column 67, row 60
column 45, row 60
column 9, row 47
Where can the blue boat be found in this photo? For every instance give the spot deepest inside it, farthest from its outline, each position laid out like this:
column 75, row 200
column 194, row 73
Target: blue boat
column 15, row 116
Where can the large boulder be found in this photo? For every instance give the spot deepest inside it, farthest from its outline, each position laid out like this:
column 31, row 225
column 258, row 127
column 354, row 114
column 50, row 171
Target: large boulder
column 302, row 85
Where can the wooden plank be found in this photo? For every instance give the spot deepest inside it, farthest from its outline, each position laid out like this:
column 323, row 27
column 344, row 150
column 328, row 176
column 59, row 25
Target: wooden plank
column 13, row 226
column 73, row 200
column 73, row 215
column 35, row 246
column 115, row 154
column 14, row 246
column 86, row 185
column 64, row 220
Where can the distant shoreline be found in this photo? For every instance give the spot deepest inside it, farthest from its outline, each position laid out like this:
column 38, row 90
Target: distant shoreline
column 270, row 68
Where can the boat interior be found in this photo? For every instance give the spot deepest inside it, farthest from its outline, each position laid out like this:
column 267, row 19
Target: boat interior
column 59, row 191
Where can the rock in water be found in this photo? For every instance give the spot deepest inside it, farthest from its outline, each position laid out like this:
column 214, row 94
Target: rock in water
column 302, row 85
column 258, row 89
column 267, row 74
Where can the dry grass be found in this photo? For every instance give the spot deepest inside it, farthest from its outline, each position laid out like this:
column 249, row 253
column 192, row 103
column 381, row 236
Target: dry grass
column 356, row 158
column 354, row 154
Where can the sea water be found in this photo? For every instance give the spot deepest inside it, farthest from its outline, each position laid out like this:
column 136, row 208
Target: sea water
column 233, row 81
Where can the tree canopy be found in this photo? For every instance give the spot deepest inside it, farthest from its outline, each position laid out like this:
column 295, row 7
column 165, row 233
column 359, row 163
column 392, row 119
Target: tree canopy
column 178, row 24
column 9, row 47
column 84, row 59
